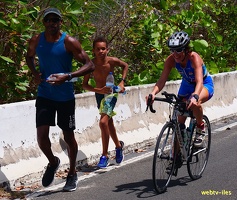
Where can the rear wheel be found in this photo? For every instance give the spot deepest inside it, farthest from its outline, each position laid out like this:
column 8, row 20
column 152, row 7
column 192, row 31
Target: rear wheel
column 163, row 165
column 198, row 158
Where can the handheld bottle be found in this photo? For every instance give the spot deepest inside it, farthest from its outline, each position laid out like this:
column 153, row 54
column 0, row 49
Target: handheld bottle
column 110, row 84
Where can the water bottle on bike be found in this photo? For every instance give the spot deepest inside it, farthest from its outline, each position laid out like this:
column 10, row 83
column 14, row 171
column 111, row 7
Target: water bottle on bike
column 184, row 134
column 188, row 133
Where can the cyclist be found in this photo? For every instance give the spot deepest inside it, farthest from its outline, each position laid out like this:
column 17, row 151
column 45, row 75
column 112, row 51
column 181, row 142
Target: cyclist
column 197, row 85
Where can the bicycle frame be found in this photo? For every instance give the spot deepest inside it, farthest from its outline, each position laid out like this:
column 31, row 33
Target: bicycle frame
column 174, row 119
column 175, row 104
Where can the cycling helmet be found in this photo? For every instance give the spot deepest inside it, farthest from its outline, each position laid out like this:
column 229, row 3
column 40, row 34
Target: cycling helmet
column 178, row 40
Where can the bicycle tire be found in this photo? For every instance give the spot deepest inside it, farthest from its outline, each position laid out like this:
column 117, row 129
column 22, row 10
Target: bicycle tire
column 163, row 157
column 198, row 157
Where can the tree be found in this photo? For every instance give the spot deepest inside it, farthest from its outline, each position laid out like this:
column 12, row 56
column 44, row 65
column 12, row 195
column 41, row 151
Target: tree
column 137, row 32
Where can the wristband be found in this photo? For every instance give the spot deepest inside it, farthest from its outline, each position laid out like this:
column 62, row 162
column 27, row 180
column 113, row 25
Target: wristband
column 196, row 97
column 123, row 79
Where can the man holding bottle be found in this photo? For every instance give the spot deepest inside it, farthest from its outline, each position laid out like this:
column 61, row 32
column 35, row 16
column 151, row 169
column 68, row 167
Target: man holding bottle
column 55, row 50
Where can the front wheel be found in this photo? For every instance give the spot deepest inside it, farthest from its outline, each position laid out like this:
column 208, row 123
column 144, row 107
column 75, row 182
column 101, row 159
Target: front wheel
column 163, row 165
column 198, row 157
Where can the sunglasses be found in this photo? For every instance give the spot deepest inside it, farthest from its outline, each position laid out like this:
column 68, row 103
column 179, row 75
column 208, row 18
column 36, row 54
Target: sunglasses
column 54, row 20
column 177, row 50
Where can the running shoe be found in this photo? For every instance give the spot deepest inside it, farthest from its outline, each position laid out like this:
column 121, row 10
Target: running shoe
column 49, row 173
column 104, row 161
column 71, row 183
column 200, row 136
column 119, row 153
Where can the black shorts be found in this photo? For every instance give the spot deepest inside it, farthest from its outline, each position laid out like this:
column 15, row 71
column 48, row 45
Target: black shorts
column 46, row 110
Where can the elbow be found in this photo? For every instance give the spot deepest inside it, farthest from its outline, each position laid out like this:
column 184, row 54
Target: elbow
column 85, row 86
column 92, row 66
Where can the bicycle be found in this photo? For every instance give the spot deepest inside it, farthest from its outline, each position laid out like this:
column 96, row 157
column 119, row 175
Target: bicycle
column 170, row 141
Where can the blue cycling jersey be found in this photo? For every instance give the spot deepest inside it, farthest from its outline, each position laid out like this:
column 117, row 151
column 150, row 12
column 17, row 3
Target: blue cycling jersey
column 187, row 72
column 188, row 83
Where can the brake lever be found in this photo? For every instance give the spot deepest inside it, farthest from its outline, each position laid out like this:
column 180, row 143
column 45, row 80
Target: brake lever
column 151, row 109
column 149, row 104
column 149, row 101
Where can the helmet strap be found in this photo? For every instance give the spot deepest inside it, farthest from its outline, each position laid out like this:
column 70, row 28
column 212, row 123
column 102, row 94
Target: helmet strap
column 185, row 54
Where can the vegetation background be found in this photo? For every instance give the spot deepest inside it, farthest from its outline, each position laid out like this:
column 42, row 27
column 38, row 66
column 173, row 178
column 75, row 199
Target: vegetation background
column 137, row 31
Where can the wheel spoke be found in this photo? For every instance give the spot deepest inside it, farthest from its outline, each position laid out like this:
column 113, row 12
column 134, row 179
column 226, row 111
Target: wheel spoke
column 199, row 156
column 163, row 159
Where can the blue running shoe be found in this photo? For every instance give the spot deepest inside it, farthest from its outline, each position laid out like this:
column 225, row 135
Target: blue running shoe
column 103, row 162
column 119, row 153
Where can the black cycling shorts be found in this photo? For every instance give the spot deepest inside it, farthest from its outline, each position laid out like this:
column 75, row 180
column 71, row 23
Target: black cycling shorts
column 46, row 110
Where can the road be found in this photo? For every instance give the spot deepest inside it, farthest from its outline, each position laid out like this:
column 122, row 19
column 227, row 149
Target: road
column 133, row 179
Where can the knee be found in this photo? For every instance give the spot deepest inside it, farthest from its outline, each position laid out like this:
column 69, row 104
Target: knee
column 196, row 108
column 103, row 123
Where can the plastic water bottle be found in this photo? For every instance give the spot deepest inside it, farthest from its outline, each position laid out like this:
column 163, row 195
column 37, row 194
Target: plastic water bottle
column 53, row 78
column 117, row 89
column 73, row 79
column 110, row 84
column 110, row 81
column 184, row 133
column 188, row 134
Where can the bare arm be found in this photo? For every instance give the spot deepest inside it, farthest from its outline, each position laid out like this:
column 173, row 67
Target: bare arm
column 115, row 62
column 169, row 64
column 85, row 83
column 30, row 58
column 197, row 63
column 72, row 45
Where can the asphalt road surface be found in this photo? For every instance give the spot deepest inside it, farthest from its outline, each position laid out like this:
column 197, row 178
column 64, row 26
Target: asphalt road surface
column 133, row 178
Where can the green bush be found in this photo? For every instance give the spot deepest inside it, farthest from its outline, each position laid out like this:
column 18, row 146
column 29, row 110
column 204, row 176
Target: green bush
column 137, row 32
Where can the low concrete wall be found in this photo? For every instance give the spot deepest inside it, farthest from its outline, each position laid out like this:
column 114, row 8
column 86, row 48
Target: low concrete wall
column 21, row 158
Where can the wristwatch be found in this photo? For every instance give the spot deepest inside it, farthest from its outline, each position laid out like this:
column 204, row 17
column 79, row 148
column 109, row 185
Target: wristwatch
column 69, row 77
column 196, row 97
column 123, row 79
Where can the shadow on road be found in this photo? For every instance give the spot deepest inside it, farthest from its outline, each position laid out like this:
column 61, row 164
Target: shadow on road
column 145, row 188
